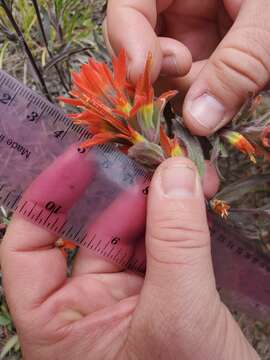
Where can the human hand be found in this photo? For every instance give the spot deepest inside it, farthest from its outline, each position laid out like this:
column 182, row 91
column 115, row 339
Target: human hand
column 101, row 312
column 228, row 41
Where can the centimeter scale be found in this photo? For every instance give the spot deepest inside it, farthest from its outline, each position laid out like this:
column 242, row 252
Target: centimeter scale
column 97, row 197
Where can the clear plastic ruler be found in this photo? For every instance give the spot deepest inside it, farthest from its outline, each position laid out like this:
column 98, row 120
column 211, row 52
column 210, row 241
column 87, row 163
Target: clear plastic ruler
column 97, row 198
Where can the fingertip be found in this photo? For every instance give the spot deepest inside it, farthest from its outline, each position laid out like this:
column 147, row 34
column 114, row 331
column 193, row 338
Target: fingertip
column 197, row 110
column 106, row 37
column 175, row 161
column 123, row 29
column 137, row 59
column 210, row 180
column 175, row 178
column 23, row 235
column 177, row 59
column 195, row 127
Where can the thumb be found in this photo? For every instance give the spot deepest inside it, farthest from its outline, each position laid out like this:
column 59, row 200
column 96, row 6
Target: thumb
column 179, row 304
column 179, row 298
column 177, row 236
column 239, row 66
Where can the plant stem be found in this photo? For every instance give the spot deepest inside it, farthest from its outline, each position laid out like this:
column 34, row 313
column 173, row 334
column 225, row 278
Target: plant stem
column 26, row 48
column 62, row 80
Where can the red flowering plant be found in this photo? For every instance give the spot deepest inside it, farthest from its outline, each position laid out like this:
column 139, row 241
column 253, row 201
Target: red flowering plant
column 132, row 117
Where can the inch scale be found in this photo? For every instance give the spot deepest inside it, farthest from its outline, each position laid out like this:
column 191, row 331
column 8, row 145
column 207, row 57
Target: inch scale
column 97, row 197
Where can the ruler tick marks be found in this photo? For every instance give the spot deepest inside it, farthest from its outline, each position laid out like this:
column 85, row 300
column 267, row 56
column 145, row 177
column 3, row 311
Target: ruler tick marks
column 62, row 227
column 67, row 130
column 38, row 216
column 54, row 223
column 32, row 209
column 82, row 239
column 69, row 230
column 13, row 97
column 8, row 194
column 41, row 113
column 2, row 82
column 122, row 259
column 22, row 207
column 92, row 239
column 117, row 254
column 77, row 233
column 56, row 119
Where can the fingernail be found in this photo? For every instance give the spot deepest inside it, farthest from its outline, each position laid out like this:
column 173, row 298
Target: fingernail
column 178, row 180
column 207, row 111
column 169, row 66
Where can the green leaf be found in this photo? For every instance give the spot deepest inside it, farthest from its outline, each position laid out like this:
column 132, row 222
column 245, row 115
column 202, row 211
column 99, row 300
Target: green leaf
column 216, row 149
column 17, row 347
column 193, row 146
column 4, row 310
column 2, row 53
column 11, row 343
column 4, row 321
column 149, row 155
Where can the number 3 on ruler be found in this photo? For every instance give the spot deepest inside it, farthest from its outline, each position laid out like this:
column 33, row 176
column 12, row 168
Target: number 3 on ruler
column 33, row 116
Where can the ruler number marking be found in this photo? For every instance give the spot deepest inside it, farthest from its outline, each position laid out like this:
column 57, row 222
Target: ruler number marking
column 58, row 134
column 53, row 207
column 5, row 98
column 33, row 116
column 242, row 252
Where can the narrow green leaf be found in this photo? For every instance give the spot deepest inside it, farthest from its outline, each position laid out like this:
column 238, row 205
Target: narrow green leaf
column 192, row 144
column 2, row 53
column 12, row 342
column 4, row 321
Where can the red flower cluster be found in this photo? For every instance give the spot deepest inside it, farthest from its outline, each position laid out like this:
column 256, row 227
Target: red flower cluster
column 115, row 111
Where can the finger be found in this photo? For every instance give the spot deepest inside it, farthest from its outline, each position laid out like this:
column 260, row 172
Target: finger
column 123, row 221
column 177, row 59
column 179, row 265
column 106, row 38
column 120, row 285
column 210, row 181
column 33, row 268
column 127, row 20
column 182, row 84
column 239, row 66
column 87, row 263
column 177, row 235
column 179, row 293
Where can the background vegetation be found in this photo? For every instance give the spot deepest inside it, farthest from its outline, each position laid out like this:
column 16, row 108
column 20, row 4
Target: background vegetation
column 40, row 42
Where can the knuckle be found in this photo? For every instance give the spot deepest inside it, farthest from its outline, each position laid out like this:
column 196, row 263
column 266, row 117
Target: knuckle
column 243, row 64
column 175, row 232
column 238, row 71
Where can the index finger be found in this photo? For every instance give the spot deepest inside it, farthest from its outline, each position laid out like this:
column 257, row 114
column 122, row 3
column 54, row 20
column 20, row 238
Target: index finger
column 33, row 269
column 131, row 25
